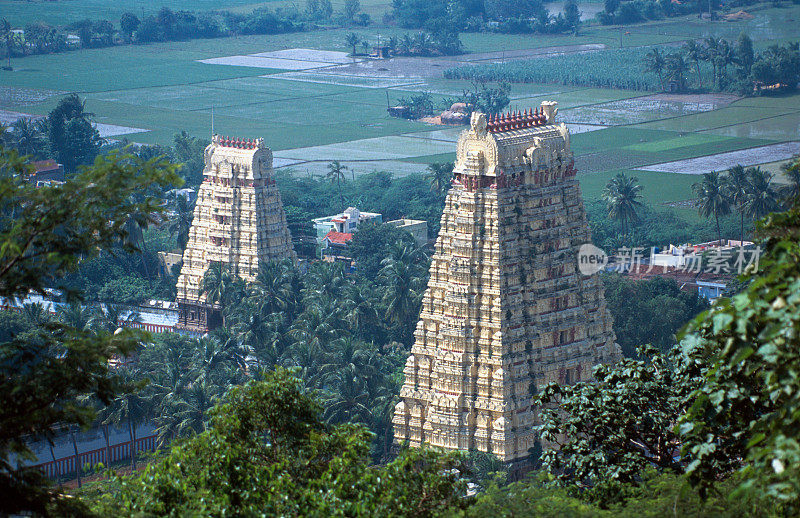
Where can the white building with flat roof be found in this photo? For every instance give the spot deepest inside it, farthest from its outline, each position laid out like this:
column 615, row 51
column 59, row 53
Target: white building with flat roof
column 418, row 228
column 345, row 222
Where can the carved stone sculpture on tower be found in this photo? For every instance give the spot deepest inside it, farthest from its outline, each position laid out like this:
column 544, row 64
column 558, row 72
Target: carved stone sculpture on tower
column 238, row 221
column 506, row 310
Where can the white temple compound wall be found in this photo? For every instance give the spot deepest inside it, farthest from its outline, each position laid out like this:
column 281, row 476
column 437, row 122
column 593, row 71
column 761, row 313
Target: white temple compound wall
column 506, row 310
column 238, row 220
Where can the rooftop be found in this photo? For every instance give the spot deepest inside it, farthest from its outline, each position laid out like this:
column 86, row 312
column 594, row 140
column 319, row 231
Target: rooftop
column 45, row 165
column 338, row 238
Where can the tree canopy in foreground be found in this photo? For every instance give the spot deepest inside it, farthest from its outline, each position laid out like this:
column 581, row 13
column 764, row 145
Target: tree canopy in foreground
column 268, row 453
column 45, row 233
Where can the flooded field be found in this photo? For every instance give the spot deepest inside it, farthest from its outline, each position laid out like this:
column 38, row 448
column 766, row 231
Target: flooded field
column 722, row 161
column 13, row 96
column 647, row 108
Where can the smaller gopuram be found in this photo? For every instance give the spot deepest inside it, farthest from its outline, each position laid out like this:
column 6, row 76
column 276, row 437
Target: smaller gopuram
column 238, row 221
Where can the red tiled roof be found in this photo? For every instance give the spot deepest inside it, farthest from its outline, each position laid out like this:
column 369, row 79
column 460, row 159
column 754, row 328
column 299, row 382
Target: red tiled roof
column 45, row 165
column 338, row 238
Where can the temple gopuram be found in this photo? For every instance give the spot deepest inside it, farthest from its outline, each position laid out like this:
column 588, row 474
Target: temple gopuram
column 506, row 310
column 238, row 221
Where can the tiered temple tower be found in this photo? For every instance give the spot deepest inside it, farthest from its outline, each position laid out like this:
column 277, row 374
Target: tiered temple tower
column 238, row 221
column 506, row 310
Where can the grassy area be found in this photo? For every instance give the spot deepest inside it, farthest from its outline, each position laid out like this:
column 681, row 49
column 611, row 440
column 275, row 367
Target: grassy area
column 433, row 159
column 681, row 141
column 164, row 89
column 658, row 188
column 67, row 11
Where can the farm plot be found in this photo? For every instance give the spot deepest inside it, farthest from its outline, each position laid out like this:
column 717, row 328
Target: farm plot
column 767, row 25
column 57, row 13
column 732, row 115
column 614, row 68
column 646, row 108
column 383, row 148
column 783, row 127
column 722, row 161
column 11, row 96
column 346, row 80
column 119, row 68
column 287, row 59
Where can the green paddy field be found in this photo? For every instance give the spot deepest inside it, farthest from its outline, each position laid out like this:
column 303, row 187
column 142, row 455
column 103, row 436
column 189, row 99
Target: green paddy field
column 310, row 116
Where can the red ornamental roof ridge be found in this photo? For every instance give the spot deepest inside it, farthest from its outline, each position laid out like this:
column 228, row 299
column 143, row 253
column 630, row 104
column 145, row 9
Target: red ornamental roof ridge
column 339, row 238
column 515, row 120
column 238, row 143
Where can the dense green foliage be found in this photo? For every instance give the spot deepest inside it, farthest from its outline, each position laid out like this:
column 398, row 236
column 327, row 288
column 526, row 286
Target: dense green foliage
column 744, row 416
column 45, row 232
column 267, row 452
column 169, row 25
column 658, row 495
column 650, row 311
column 612, row 431
column 726, row 66
column 529, row 16
column 656, row 227
column 394, row 197
column 611, row 68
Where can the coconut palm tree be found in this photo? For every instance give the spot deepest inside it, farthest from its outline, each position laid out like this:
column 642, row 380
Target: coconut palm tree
column 406, row 45
column 712, row 48
column 695, row 54
column 262, row 337
column 401, row 295
column 655, row 62
column 713, row 198
column 74, row 315
column 317, row 327
column 221, row 287
column 110, row 317
column 360, row 310
column 789, row 193
column 336, row 174
column 9, row 39
column 129, row 409
column 182, row 222
column 762, row 198
column 737, row 187
column 28, row 137
column 352, row 40
column 212, row 358
column 423, row 43
column 272, row 288
column 676, row 68
column 35, row 314
column 348, row 354
column 440, row 174
column 725, row 55
column 133, row 236
column 622, row 195
column 347, row 400
column 325, row 282
column 185, row 411
column 383, row 398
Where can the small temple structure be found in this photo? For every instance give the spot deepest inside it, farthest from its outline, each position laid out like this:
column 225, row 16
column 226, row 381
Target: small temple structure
column 506, row 310
column 238, row 221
